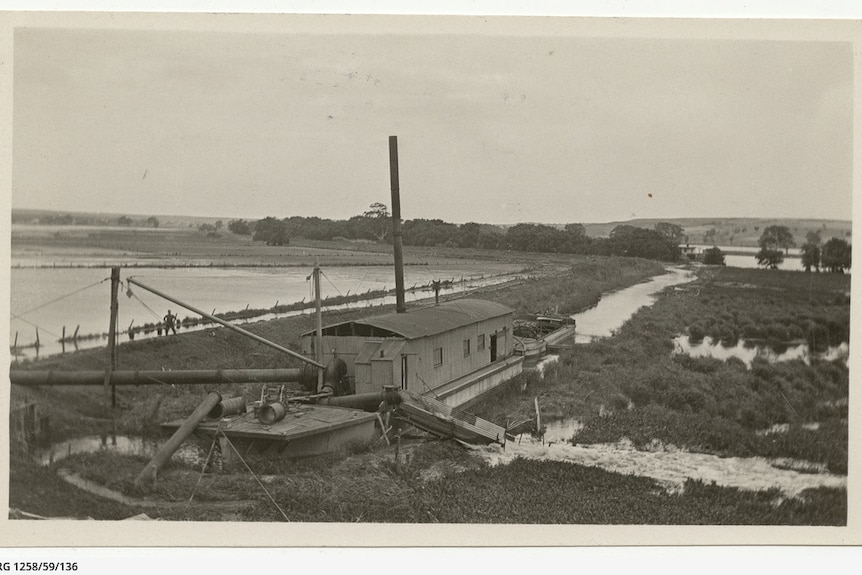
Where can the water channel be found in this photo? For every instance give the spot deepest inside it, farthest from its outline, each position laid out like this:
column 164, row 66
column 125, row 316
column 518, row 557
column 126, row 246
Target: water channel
column 670, row 466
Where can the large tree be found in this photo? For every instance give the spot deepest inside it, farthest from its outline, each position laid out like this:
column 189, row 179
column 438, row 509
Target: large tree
column 272, row 231
column 836, row 255
column 239, row 227
column 672, row 232
column 377, row 218
column 774, row 237
column 810, row 256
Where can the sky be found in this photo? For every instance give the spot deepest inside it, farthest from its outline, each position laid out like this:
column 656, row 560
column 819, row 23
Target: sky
column 553, row 126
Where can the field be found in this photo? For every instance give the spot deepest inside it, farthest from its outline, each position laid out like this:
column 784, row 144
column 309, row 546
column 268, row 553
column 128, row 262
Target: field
column 627, row 386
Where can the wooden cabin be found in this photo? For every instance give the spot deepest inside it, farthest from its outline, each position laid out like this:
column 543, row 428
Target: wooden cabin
column 457, row 349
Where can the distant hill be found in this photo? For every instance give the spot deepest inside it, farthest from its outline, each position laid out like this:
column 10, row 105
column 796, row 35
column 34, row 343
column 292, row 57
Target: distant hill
column 30, row 216
column 736, row 231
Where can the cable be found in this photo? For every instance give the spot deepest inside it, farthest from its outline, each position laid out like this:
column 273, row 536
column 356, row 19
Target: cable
column 59, row 298
column 283, row 514
column 34, row 325
column 204, row 467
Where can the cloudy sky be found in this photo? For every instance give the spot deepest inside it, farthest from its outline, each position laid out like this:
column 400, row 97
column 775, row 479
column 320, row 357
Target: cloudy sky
column 492, row 127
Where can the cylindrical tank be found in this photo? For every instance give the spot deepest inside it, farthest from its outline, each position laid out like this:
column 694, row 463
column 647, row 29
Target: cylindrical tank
column 232, row 406
column 271, row 412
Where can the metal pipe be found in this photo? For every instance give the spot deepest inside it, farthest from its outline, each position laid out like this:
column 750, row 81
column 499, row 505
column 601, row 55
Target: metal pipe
column 154, row 376
column 232, row 406
column 148, row 474
column 364, row 401
column 226, row 324
column 400, row 306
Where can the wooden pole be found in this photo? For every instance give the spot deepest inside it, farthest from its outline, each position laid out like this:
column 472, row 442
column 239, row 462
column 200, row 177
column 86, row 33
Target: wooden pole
column 147, row 477
column 400, row 306
column 318, row 320
column 111, row 363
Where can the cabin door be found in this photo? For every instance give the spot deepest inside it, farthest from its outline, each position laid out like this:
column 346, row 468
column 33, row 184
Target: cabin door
column 494, row 347
column 403, row 372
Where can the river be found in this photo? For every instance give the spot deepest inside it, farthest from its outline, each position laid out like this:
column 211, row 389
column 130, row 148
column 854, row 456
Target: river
column 615, row 308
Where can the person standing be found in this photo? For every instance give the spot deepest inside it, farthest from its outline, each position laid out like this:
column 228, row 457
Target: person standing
column 170, row 321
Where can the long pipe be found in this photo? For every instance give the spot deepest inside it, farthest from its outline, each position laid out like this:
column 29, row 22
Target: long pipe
column 148, row 474
column 154, row 377
column 365, row 401
column 400, row 306
column 228, row 325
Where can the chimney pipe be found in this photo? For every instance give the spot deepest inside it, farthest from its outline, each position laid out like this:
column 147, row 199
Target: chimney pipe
column 400, row 307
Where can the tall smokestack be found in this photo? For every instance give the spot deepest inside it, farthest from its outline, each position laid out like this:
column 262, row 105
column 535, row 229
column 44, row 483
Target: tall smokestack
column 396, row 225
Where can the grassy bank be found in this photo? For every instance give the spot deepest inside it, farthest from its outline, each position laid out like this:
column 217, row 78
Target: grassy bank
column 632, row 385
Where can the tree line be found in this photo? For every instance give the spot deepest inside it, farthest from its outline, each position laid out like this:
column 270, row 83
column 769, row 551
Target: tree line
column 833, row 256
column 374, row 225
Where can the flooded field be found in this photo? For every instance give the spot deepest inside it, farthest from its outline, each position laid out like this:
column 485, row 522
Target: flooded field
column 49, row 299
column 747, row 351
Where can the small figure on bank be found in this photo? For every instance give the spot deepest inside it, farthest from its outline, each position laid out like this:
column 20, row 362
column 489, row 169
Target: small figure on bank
column 169, row 323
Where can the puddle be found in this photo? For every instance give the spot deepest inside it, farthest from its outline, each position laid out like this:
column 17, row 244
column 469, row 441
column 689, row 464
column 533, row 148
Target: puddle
column 188, row 453
column 671, row 467
column 562, row 430
column 747, row 351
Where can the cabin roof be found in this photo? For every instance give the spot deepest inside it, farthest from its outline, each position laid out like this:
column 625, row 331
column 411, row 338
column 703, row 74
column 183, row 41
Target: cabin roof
column 421, row 322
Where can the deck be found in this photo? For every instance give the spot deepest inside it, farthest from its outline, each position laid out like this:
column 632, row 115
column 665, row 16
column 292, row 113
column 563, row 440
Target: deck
column 305, row 430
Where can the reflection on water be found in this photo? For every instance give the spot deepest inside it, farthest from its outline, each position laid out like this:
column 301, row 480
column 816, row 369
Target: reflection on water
column 671, row 467
column 747, row 351
column 614, row 309
column 188, row 453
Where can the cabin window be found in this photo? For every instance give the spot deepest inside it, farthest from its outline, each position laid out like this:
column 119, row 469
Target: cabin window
column 438, row 356
column 466, row 347
column 480, row 342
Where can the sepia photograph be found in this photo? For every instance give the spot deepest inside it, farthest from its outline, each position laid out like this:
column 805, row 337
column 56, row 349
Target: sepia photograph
column 428, row 280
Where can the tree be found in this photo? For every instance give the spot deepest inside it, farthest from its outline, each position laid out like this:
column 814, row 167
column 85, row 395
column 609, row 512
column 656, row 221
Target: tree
column 153, row 221
column 672, row 232
column 810, row 256
column 219, row 224
column 836, row 255
column 774, row 237
column 378, row 216
column 813, row 237
column 272, row 231
column 709, row 236
column 713, row 257
column 239, row 227
column 124, row 221
column 769, row 258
